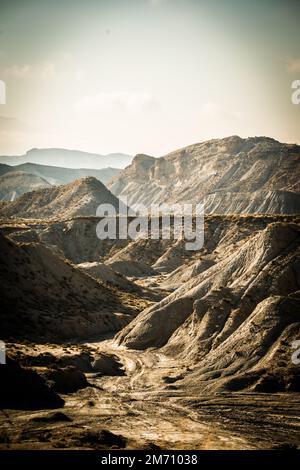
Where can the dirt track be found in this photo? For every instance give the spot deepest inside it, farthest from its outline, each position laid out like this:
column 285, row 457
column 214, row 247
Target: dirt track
column 147, row 410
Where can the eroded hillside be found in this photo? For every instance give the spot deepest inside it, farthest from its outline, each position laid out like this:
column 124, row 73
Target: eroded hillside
column 231, row 175
column 141, row 343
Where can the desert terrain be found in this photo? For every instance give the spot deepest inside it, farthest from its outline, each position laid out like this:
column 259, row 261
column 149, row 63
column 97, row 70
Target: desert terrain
column 142, row 344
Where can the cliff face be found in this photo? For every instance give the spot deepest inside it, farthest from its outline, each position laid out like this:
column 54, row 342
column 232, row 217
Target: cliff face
column 230, row 175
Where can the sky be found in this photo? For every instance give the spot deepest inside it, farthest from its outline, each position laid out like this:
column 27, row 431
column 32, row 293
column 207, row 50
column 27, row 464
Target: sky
column 146, row 76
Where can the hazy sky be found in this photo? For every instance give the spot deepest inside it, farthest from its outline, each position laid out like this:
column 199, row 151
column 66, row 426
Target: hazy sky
column 146, row 76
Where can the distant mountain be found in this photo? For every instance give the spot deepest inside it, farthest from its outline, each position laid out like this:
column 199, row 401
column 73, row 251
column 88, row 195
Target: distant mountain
column 231, row 175
column 57, row 175
column 69, row 159
column 15, row 183
column 79, row 198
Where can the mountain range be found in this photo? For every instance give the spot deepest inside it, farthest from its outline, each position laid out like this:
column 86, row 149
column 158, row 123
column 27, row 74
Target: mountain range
column 69, row 159
column 56, row 175
column 230, row 176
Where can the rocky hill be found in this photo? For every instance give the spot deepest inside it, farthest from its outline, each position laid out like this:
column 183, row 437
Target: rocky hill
column 80, row 198
column 230, row 317
column 231, row 175
column 43, row 297
column 15, row 183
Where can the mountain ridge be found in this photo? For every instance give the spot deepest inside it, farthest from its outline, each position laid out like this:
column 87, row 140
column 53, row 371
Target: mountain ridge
column 230, row 165
column 56, row 175
column 68, row 158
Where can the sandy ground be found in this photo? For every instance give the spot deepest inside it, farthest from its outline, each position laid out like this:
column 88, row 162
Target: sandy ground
column 148, row 411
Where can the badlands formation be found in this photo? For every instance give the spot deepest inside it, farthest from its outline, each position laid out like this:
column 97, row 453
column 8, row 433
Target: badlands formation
column 141, row 343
